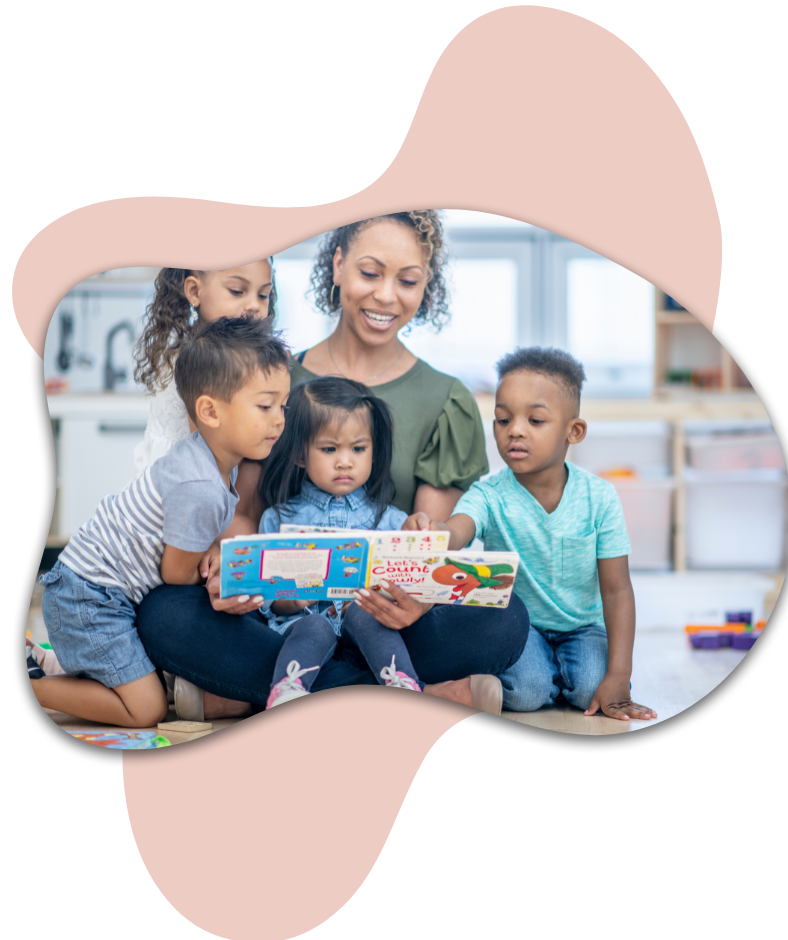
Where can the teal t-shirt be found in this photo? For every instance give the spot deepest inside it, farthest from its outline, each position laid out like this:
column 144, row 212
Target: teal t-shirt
column 557, row 579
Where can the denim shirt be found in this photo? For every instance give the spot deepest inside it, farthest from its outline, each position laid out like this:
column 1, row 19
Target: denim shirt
column 314, row 506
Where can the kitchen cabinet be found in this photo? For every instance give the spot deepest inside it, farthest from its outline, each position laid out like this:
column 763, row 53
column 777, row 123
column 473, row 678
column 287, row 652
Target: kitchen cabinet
column 95, row 436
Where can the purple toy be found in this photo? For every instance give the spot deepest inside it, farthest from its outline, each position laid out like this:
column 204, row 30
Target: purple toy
column 744, row 641
column 711, row 641
column 741, row 616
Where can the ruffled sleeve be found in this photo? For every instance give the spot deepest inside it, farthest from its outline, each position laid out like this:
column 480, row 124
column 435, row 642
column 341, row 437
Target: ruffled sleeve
column 168, row 423
column 455, row 454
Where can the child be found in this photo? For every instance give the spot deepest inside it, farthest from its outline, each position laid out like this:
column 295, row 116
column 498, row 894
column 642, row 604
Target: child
column 233, row 377
column 332, row 467
column 568, row 528
column 183, row 300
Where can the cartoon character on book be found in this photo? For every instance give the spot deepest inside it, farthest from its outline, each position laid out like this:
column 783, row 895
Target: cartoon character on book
column 465, row 578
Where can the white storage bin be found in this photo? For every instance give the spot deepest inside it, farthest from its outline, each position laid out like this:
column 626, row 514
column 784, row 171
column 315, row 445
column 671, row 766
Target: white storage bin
column 746, row 444
column 735, row 519
column 647, row 506
column 718, row 452
column 642, row 446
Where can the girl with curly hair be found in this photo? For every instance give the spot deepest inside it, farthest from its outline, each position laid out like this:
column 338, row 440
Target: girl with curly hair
column 378, row 276
column 182, row 300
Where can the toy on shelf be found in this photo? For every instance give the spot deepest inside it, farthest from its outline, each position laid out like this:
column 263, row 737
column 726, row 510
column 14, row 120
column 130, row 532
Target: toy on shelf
column 736, row 633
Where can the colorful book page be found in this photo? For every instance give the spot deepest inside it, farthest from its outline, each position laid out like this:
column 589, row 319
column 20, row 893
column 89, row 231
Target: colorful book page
column 478, row 579
column 122, row 740
column 307, row 566
column 408, row 543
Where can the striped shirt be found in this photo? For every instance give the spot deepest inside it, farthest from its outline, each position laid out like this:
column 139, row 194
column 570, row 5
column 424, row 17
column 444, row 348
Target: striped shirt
column 181, row 500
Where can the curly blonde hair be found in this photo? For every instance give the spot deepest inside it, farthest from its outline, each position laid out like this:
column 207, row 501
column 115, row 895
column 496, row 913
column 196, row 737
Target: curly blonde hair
column 167, row 324
column 427, row 225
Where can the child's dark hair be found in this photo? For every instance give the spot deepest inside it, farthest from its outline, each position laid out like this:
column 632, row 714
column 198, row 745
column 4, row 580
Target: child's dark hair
column 546, row 360
column 310, row 408
column 220, row 356
column 167, row 324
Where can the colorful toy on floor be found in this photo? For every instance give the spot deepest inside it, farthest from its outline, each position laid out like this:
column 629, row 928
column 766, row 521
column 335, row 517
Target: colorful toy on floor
column 122, row 740
column 736, row 633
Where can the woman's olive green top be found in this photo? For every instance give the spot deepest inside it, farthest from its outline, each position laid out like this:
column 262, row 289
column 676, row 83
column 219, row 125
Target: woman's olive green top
column 438, row 432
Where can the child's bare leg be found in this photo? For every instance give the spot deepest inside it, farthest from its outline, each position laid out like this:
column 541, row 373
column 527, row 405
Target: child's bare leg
column 137, row 704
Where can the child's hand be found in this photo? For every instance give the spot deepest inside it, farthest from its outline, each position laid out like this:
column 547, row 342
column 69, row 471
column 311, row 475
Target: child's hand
column 612, row 696
column 210, row 563
column 422, row 522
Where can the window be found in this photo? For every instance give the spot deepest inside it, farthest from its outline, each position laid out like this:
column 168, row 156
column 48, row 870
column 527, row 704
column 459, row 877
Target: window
column 511, row 284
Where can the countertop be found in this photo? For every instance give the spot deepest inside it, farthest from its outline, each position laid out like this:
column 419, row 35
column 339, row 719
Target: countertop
column 99, row 405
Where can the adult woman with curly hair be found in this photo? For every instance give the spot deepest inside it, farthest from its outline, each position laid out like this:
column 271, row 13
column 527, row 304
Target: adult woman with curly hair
column 377, row 276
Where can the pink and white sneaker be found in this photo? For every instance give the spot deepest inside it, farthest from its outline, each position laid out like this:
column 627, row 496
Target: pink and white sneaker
column 398, row 680
column 291, row 686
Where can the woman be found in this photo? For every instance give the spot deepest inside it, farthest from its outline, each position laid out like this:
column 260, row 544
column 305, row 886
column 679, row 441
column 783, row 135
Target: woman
column 379, row 275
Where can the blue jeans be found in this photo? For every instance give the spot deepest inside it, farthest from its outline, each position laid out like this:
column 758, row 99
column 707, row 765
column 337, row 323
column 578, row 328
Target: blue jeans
column 91, row 629
column 234, row 656
column 571, row 663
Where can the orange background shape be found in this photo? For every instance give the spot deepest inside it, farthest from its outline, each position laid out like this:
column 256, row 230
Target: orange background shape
column 531, row 113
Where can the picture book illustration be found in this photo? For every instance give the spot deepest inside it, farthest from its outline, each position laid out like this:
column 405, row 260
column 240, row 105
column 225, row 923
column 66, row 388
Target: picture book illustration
column 122, row 740
column 479, row 579
column 312, row 563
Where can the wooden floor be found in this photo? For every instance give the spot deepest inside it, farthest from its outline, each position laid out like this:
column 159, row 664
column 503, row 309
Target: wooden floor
column 668, row 676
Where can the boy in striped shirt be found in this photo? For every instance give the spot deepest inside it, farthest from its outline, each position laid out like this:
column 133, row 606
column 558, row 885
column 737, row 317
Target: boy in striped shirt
column 233, row 377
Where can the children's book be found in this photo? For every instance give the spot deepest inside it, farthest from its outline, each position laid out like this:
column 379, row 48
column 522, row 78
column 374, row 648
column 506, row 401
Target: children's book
column 311, row 563
column 122, row 740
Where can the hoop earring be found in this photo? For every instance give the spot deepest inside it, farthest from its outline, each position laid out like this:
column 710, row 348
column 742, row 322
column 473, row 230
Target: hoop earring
column 194, row 314
column 331, row 300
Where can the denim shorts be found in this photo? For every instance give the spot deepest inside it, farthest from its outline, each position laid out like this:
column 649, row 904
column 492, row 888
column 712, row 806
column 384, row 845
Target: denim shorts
column 92, row 629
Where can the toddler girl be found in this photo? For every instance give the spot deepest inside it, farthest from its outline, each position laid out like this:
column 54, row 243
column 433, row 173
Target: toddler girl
column 182, row 300
column 332, row 467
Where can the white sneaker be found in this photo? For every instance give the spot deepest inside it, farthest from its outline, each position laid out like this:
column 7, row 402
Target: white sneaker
column 398, row 680
column 291, row 686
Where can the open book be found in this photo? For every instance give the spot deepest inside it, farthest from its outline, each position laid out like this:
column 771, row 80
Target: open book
column 311, row 563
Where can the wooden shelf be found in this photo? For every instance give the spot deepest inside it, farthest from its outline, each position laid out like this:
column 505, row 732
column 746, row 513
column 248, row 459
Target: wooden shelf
column 676, row 318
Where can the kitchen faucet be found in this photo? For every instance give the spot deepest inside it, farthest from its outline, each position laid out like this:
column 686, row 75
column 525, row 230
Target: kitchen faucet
column 111, row 374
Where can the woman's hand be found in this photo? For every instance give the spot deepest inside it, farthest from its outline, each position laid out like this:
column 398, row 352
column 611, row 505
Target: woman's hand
column 242, row 604
column 396, row 614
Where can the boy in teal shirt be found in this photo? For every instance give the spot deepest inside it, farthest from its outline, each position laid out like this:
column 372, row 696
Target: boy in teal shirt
column 568, row 528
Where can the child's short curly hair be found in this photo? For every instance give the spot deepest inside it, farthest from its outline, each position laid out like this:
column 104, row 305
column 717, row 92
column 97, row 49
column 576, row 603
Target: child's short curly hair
column 546, row 360
column 428, row 227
